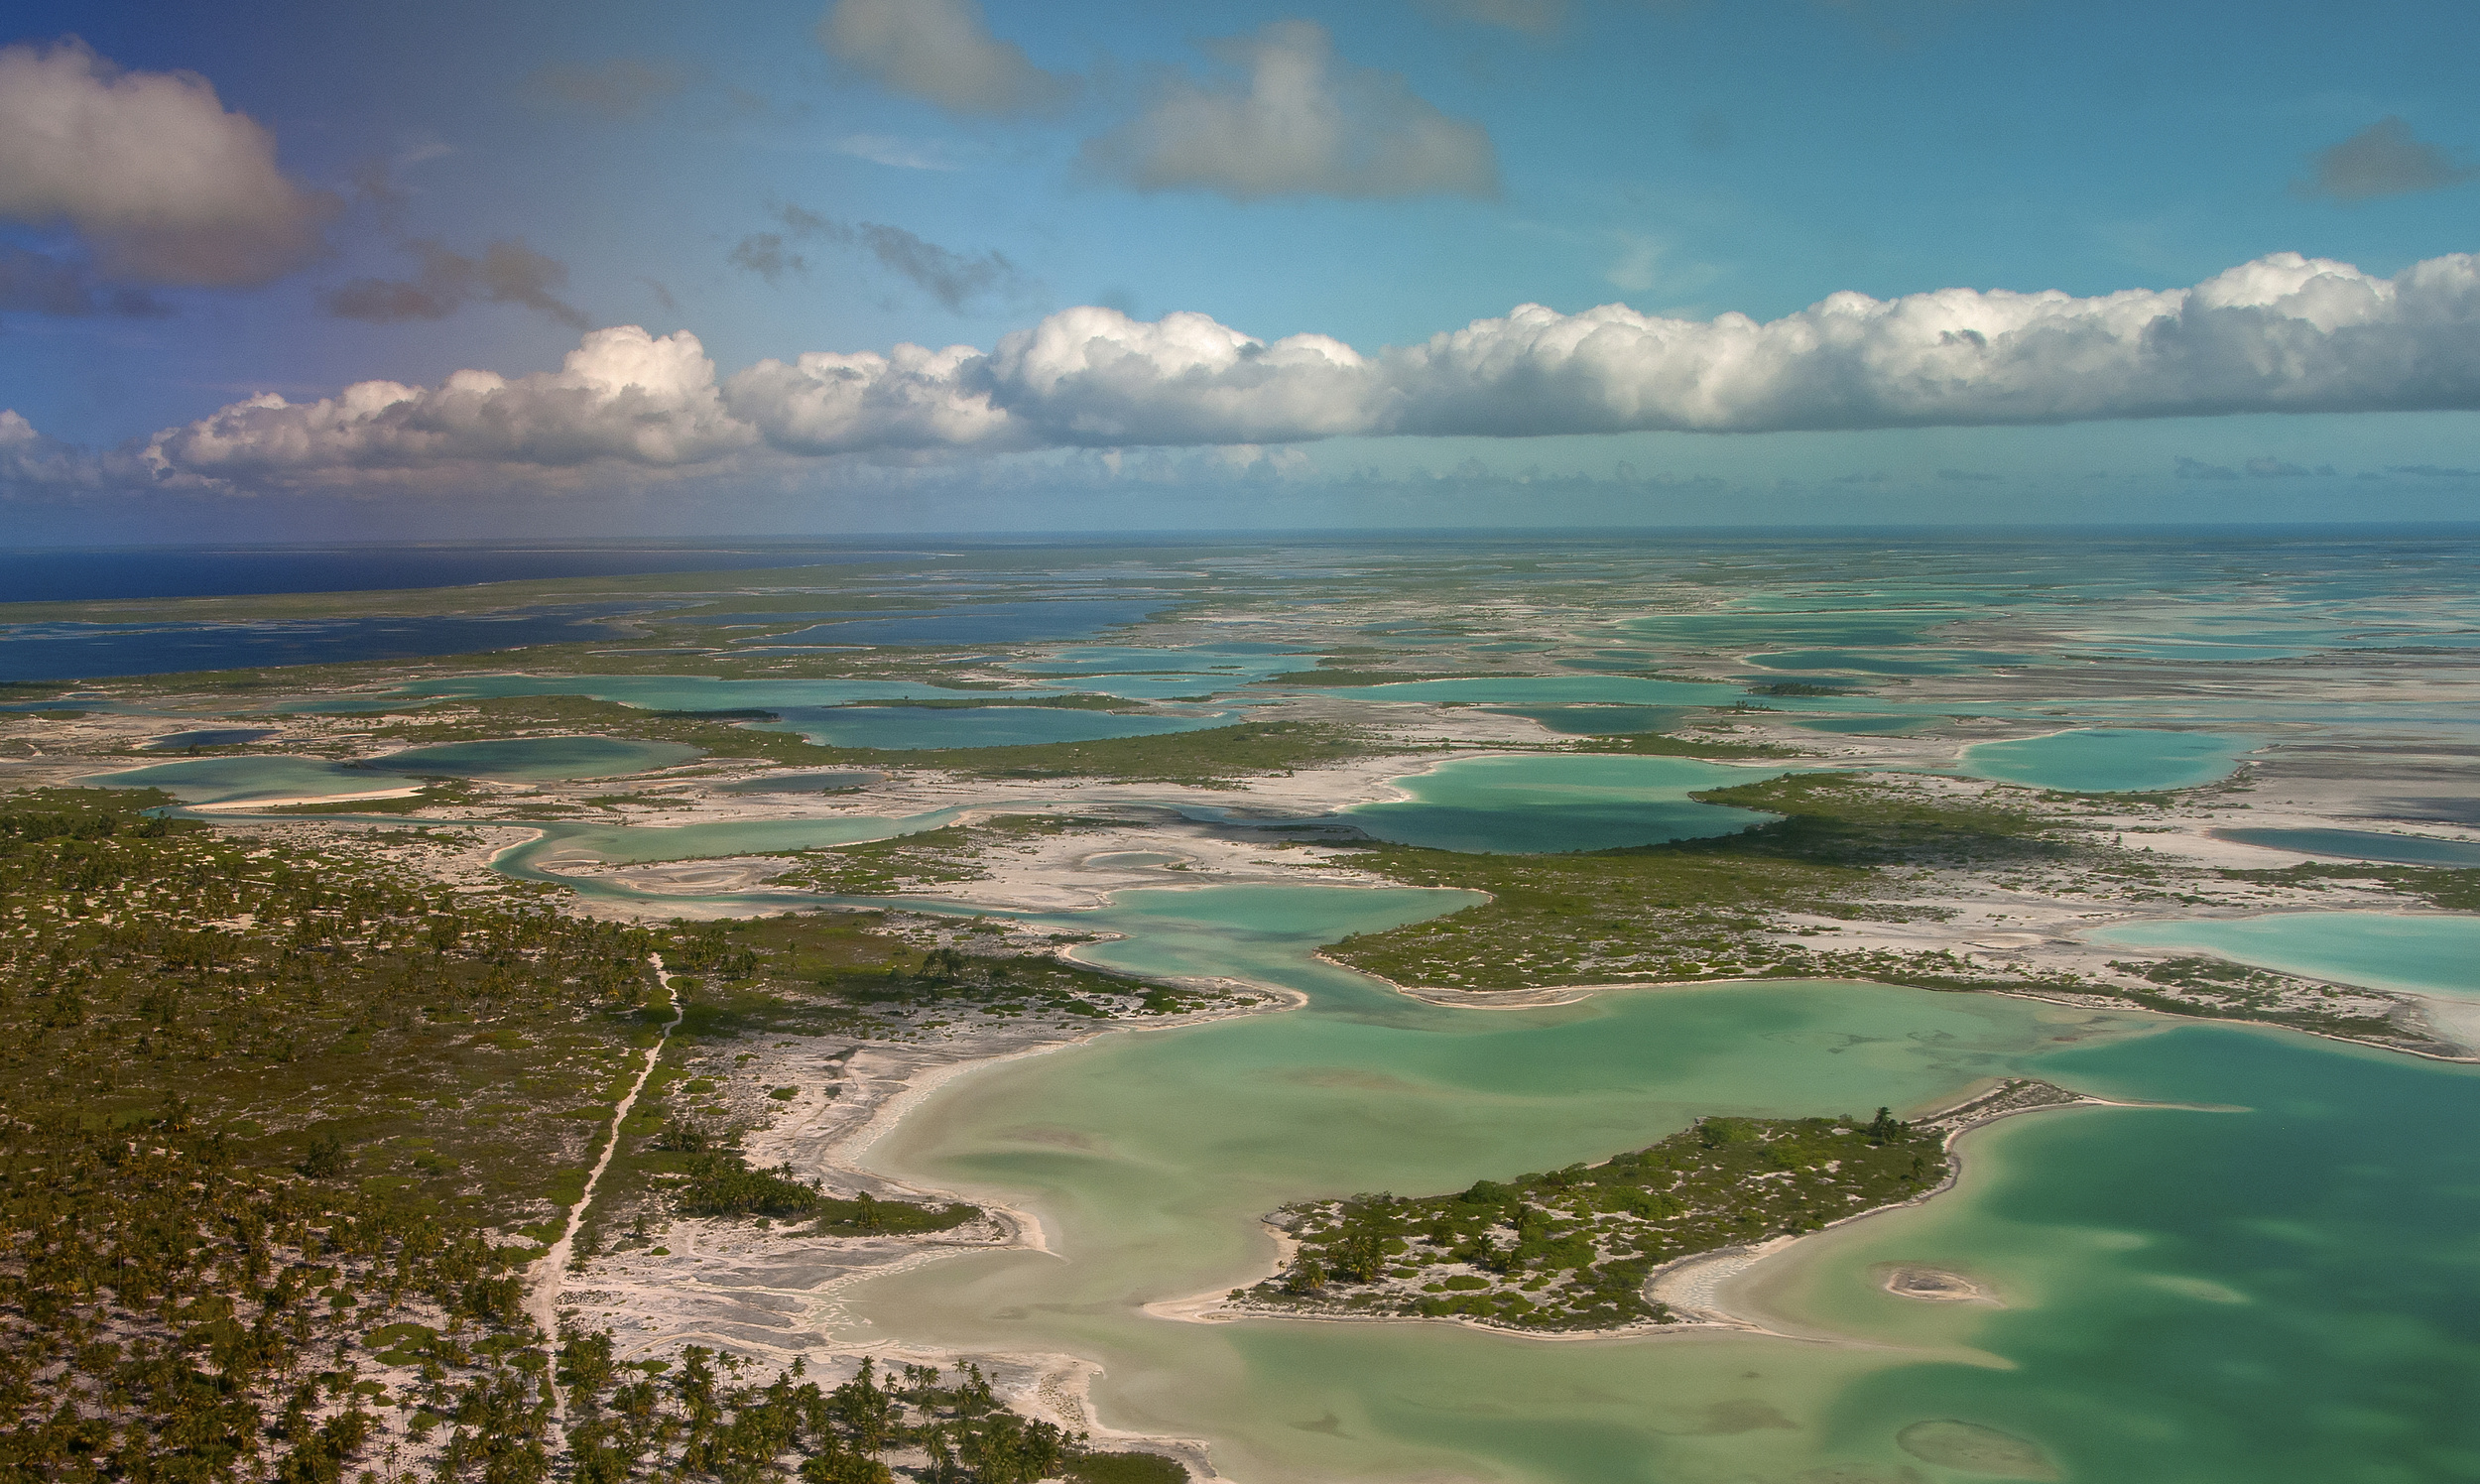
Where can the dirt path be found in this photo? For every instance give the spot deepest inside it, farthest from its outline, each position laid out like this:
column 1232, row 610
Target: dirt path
column 544, row 1304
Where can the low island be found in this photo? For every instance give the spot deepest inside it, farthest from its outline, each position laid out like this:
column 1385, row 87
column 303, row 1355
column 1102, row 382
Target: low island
column 1574, row 1249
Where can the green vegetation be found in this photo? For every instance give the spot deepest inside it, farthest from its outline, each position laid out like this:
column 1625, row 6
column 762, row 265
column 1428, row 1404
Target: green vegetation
column 2450, row 887
column 289, row 996
column 271, row 1115
column 1573, row 1249
column 1672, row 745
column 1208, row 759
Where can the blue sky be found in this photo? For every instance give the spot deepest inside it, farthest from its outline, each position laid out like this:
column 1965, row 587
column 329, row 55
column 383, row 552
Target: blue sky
column 1684, row 160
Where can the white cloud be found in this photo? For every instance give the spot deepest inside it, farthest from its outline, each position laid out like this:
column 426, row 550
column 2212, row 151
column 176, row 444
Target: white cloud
column 912, row 397
column 1297, row 122
column 1094, row 376
column 622, row 395
column 162, row 183
column 941, row 51
column 2283, row 333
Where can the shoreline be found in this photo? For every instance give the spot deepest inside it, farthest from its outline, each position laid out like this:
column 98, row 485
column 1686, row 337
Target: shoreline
column 1686, row 1286
column 1550, row 996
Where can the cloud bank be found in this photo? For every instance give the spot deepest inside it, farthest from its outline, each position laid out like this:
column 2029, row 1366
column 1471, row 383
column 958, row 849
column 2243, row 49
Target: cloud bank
column 2282, row 334
column 162, row 185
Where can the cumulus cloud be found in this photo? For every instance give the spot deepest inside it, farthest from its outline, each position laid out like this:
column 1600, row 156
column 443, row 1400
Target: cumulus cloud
column 948, row 276
column 506, row 272
column 2283, row 333
column 2381, row 160
column 622, row 395
column 1296, row 122
column 941, row 51
column 619, row 88
column 161, row 184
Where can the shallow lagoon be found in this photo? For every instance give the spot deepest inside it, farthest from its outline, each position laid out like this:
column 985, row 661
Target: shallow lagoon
column 2419, row 953
column 2109, row 759
column 1559, row 802
column 2156, row 1261
column 236, row 780
column 2361, row 845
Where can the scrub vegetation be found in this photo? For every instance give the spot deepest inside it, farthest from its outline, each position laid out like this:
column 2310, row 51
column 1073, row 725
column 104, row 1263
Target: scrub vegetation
column 1848, row 848
column 284, row 1129
column 1573, row 1249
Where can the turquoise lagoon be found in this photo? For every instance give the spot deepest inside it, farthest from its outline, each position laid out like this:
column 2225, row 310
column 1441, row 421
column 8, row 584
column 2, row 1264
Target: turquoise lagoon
column 2413, row 952
column 2109, row 759
column 238, row 780
column 2281, row 1294
column 2361, row 845
column 1559, row 802
column 628, row 844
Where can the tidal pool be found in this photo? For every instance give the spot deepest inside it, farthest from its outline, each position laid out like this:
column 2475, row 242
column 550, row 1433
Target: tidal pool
column 2361, row 845
column 2260, row 1297
column 1559, row 802
column 238, row 780
column 2413, row 953
column 1600, row 721
column 2109, row 759
column 632, row 844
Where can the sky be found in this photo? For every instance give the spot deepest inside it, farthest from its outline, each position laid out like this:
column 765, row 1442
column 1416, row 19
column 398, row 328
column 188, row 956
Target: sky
column 291, row 271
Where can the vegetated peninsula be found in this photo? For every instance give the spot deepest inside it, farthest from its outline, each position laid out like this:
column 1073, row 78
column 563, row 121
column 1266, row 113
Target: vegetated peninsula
column 1573, row 1250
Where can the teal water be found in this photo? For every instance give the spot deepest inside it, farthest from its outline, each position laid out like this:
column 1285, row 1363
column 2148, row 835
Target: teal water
column 1886, row 662
column 1559, row 802
column 1517, row 691
column 2109, row 759
column 909, row 728
column 2419, row 953
column 622, row 845
column 530, row 759
column 2284, row 1294
column 2361, row 845
column 1600, row 721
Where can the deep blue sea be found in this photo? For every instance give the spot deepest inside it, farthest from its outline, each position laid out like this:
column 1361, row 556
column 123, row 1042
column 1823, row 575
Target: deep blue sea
column 82, row 575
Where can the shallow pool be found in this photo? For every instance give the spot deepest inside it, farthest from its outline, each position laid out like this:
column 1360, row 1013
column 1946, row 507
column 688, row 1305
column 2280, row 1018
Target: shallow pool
column 1556, row 803
column 2109, row 759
